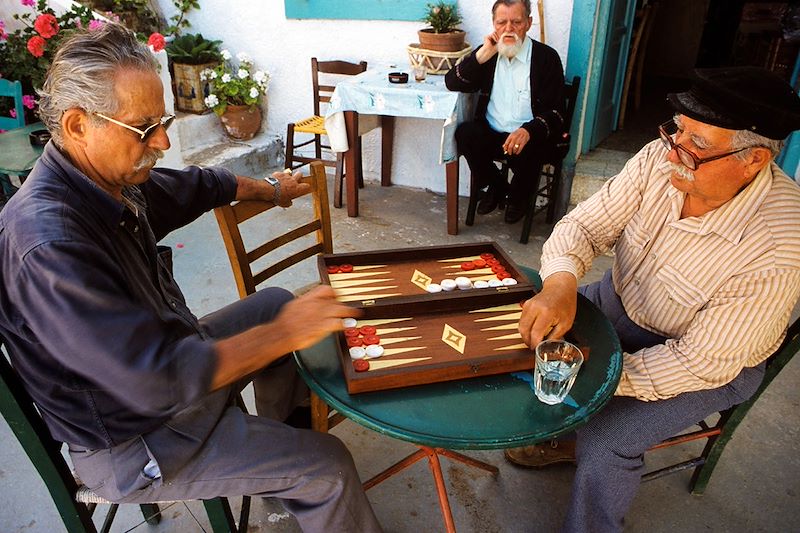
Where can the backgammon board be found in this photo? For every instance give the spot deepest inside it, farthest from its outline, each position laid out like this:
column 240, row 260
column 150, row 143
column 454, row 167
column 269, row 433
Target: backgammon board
column 429, row 337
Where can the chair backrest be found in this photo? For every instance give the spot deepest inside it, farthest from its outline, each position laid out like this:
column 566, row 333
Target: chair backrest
column 12, row 89
column 322, row 93
column 23, row 418
column 316, row 224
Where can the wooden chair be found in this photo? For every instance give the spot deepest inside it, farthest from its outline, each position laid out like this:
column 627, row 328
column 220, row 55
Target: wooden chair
column 315, row 124
column 74, row 502
column 549, row 175
column 722, row 431
column 12, row 89
column 267, row 260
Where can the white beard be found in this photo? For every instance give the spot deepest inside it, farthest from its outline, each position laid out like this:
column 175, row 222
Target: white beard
column 509, row 50
column 682, row 172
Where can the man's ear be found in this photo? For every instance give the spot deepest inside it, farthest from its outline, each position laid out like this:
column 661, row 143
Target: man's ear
column 74, row 126
column 758, row 158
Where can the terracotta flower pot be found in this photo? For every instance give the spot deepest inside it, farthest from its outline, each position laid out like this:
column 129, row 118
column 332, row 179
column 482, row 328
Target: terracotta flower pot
column 241, row 121
column 452, row 41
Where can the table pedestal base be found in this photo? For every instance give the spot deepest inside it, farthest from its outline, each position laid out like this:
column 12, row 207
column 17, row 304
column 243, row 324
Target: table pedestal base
column 436, row 468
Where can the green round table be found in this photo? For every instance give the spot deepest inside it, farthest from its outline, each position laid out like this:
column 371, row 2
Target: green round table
column 490, row 412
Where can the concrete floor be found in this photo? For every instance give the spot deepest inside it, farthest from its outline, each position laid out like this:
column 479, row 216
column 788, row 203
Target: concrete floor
column 754, row 488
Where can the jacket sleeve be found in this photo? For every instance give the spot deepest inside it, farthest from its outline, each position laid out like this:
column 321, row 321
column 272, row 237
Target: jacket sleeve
column 468, row 76
column 547, row 98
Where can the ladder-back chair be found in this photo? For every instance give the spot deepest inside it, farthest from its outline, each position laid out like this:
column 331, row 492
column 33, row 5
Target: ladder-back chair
column 722, row 431
column 315, row 124
column 253, row 263
column 13, row 90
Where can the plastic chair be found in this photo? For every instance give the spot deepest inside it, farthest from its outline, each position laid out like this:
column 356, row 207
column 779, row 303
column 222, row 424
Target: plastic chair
column 12, row 89
column 74, row 502
column 270, row 257
column 721, row 433
column 550, row 171
column 315, row 124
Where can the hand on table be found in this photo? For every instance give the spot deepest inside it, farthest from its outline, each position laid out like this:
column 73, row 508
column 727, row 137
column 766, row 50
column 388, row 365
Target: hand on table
column 311, row 317
column 551, row 312
column 516, row 141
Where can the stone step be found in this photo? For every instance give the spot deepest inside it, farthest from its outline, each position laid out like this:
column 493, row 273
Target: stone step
column 204, row 142
column 592, row 170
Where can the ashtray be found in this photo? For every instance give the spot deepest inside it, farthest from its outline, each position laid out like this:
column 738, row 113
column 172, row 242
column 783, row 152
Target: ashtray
column 39, row 137
column 398, row 77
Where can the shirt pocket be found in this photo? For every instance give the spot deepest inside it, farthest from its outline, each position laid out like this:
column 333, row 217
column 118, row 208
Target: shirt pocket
column 523, row 108
column 681, row 299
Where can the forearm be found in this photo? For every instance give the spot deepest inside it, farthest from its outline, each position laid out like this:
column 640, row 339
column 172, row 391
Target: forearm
column 248, row 352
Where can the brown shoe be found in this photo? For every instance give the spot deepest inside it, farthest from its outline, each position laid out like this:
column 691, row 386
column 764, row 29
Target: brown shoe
column 544, row 454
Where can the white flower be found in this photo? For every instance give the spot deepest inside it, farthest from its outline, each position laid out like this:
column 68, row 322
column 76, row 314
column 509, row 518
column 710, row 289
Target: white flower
column 243, row 74
column 213, row 75
column 226, row 55
column 211, row 100
column 206, row 73
column 260, row 76
column 253, row 92
column 226, row 78
column 243, row 58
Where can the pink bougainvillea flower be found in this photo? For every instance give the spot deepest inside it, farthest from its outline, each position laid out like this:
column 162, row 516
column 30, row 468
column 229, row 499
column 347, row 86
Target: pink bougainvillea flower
column 28, row 101
column 3, row 34
column 29, row 3
column 156, row 42
column 13, row 113
column 95, row 24
column 46, row 25
column 36, row 46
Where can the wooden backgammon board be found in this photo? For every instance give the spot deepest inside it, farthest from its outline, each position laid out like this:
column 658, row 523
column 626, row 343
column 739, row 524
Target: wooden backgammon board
column 429, row 337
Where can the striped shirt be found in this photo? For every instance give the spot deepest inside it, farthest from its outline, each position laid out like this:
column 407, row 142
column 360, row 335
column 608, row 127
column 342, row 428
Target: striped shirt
column 721, row 287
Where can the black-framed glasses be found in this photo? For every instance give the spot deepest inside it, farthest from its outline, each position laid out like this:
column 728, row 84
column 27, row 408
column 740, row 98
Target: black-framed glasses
column 165, row 122
column 689, row 159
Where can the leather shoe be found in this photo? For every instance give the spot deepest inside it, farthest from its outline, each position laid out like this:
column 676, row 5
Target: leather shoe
column 489, row 202
column 514, row 213
column 544, row 454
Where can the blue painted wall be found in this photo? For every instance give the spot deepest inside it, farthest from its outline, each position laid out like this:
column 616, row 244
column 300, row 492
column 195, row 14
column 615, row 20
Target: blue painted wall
column 357, row 9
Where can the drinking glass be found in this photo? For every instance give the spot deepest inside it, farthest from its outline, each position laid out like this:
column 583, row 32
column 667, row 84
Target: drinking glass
column 557, row 365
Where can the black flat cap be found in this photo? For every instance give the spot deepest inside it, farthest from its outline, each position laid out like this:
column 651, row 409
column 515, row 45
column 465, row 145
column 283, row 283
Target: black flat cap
column 741, row 98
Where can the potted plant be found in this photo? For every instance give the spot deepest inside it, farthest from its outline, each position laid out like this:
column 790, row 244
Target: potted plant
column 236, row 94
column 191, row 54
column 442, row 35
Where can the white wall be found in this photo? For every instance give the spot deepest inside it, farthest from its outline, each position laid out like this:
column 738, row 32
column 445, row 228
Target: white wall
column 284, row 48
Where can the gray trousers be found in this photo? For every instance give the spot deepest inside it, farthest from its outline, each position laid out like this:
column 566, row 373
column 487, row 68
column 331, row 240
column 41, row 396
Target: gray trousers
column 610, row 447
column 214, row 449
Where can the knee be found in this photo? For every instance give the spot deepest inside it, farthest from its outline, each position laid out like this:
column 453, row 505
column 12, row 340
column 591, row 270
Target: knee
column 466, row 134
column 607, row 448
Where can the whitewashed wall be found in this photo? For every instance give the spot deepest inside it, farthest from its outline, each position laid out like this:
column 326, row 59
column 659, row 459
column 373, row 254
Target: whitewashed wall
column 284, row 48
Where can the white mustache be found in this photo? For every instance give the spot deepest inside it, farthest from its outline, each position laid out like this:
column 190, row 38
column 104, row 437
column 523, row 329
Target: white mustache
column 682, row 172
column 148, row 160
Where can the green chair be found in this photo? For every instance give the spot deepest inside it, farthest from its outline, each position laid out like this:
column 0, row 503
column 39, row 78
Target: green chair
column 720, row 433
column 12, row 89
column 74, row 501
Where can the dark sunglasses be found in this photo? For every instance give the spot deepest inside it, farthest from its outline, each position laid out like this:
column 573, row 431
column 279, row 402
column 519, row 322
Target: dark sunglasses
column 689, row 160
column 146, row 133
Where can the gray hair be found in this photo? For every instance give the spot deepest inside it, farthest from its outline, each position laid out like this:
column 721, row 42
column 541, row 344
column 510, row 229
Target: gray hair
column 82, row 73
column 508, row 3
column 748, row 139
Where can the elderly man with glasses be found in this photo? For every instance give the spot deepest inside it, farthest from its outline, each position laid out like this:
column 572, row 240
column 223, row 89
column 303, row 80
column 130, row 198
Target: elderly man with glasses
column 142, row 391
column 704, row 229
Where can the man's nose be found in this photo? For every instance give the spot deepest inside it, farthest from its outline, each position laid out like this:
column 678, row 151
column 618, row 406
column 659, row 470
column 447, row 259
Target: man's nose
column 159, row 140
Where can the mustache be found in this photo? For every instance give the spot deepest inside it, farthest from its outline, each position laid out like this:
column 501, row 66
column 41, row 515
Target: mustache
column 148, row 160
column 682, row 172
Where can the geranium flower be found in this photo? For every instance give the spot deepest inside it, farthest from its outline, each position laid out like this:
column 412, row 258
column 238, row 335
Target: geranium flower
column 28, row 101
column 95, row 24
column 260, row 76
column 226, row 55
column 243, row 58
column 226, row 78
column 3, row 34
column 29, row 3
column 211, row 100
column 12, row 112
column 253, row 92
column 156, row 42
column 46, row 25
column 242, row 73
column 36, row 46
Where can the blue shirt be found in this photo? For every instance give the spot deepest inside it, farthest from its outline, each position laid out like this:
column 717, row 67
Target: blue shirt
column 510, row 101
column 95, row 324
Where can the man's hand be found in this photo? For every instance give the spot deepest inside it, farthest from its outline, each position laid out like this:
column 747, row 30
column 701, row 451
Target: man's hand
column 489, row 48
column 550, row 313
column 516, row 141
column 291, row 187
column 309, row 318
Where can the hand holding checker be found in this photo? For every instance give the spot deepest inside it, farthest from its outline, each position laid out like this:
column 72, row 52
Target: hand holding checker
column 551, row 312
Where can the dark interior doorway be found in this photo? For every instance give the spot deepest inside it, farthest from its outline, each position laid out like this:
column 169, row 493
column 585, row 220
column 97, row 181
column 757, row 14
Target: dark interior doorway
column 685, row 34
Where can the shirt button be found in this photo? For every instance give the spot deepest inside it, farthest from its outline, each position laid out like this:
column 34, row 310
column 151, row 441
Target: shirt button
column 636, row 281
column 135, row 229
column 174, row 304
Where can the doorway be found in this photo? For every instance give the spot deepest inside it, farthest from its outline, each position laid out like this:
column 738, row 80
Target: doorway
column 685, row 34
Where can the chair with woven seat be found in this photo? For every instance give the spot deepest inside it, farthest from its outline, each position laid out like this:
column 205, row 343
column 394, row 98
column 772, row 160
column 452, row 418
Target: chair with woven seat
column 548, row 177
column 254, row 260
column 720, row 434
column 74, row 502
column 315, row 124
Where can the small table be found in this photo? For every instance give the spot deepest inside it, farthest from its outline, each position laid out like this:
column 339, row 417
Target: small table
column 17, row 154
column 370, row 93
column 493, row 412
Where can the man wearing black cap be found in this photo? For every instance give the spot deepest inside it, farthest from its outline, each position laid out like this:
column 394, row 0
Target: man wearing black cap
column 704, row 228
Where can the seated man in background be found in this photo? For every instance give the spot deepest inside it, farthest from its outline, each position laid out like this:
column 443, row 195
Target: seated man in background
column 519, row 115
column 141, row 390
column 704, row 228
